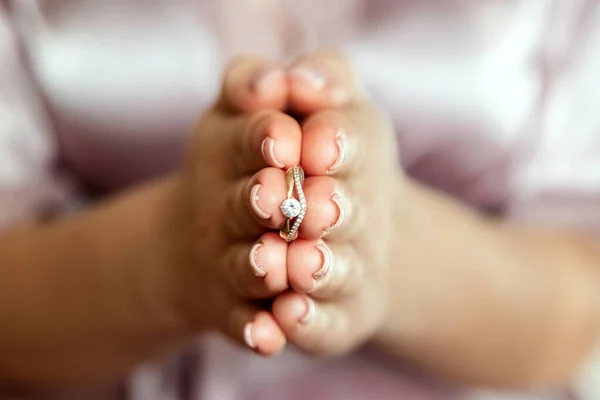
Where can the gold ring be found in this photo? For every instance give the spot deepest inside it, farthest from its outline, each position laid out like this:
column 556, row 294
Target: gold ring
column 293, row 209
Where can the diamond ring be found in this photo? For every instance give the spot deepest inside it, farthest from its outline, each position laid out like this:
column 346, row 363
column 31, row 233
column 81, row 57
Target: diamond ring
column 293, row 209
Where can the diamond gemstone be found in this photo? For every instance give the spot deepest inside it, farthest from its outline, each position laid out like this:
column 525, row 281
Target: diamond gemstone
column 291, row 208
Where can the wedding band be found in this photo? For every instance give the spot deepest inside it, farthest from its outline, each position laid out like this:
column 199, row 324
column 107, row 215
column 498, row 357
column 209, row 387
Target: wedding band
column 293, row 209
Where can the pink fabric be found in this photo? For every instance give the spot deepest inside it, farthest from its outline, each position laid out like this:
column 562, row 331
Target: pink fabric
column 494, row 102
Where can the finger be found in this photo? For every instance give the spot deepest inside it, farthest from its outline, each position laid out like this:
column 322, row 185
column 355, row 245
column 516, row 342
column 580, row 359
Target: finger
column 255, row 329
column 258, row 270
column 318, row 328
column 264, row 139
column 330, row 212
column 325, row 271
column 253, row 83
column 350, row 141
column 320, row 81
column 255, row 204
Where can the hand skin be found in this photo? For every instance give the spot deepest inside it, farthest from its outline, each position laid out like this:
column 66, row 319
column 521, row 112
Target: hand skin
column 78, row 300
column 486, row 302
column 471, row 299
column 86, row 298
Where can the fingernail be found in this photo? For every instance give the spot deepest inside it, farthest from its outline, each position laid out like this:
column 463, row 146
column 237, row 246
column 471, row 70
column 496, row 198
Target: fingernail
column 327, row 257
column 268, row 151
column 254, row 264
column 342, row 144
column 336, row 199
column 254, row 202
column 310, row 312
column 315, row 79
column 265, row 79
column 248, row 335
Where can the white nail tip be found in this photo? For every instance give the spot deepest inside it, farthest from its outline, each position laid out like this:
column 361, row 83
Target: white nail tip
column 248, row 336
column 268, row 152
column 254, row 264
column 327, row 260
column 254, row 202
column 311, row 310
column 314, row 78
column 341, row 214
column 341, row 143
column 265, row 78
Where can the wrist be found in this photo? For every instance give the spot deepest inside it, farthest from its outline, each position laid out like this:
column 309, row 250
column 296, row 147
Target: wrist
column 436, row 311
column 98, row 281
column 157, row 279
column 475, row 290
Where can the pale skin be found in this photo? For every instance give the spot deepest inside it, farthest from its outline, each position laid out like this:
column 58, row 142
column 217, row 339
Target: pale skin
column 132, row 278
column 472, row 299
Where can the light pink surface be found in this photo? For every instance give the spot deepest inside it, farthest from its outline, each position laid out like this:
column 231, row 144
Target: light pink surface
column 495, row 102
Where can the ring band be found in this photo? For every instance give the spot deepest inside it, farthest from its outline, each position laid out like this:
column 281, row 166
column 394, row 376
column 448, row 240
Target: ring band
column 293, row 209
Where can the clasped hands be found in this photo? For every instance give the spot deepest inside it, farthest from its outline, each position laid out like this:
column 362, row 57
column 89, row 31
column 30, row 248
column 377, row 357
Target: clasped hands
column 326, row 291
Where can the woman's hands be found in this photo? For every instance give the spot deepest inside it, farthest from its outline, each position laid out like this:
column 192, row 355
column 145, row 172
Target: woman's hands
column 378, row 256
column 473, row 299
column 339, row 268
column 229, row 256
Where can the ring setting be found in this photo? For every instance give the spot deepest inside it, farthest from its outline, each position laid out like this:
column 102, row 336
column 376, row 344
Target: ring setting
column 293, row 209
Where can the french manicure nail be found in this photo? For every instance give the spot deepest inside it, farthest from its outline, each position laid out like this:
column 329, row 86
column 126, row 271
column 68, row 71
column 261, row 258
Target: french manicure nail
column 342, row 145
column 254, row 264
column 335, row 198
column 268, row 151
column 312, row 77
column 327, row 257
column 248, row 335
column 254, row 202
column 310, row 312
column 264, row 79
